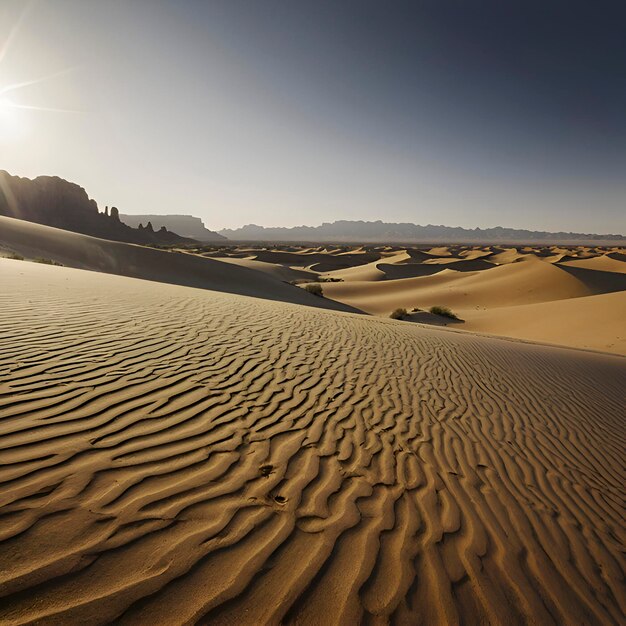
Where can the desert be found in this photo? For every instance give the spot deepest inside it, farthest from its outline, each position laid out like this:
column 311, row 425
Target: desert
column 228, row 450
column 312, row 313
column 572, row 296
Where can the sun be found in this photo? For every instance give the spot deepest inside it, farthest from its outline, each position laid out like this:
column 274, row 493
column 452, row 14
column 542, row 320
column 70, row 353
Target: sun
column 16, row 116
column 9, row 118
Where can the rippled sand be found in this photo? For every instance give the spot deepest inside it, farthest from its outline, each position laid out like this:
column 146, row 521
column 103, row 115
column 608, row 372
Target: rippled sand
column 171, row 455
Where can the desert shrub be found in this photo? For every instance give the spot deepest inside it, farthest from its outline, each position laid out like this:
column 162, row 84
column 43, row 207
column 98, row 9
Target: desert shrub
column 315, row 289
column 398, row 314
column 15, row 257
column 444, row 311
column 329, row 279
column 47, row 261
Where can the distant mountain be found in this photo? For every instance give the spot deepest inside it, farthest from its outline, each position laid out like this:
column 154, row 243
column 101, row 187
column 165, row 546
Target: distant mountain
column 52, row 201
column 184, row 225
column 383, row 232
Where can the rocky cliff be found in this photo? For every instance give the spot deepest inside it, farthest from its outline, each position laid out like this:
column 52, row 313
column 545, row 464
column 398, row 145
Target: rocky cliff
column 53, row 201
column 184, row 225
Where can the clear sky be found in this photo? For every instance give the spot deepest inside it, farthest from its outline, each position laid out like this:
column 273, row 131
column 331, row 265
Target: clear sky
column 464, row 113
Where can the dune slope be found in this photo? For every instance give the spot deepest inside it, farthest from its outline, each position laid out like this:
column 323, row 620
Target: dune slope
column 101, row 255
column 525, row 282
column 280, row 272
column 594, row 322
column 172, row 455
column 604, row 263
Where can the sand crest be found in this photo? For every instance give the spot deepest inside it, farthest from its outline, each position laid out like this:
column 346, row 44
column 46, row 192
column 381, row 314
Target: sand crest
column 84, row 252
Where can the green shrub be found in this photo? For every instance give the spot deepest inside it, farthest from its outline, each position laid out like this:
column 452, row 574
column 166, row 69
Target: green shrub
column 15, row 257
column 315, row 289
column 444, row 311
column 47, row 262
column 398, row 314
column 329, row 279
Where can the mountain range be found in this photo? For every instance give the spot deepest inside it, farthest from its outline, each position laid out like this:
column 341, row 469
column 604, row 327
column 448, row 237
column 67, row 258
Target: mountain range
column 390, row 232
column 53, row 201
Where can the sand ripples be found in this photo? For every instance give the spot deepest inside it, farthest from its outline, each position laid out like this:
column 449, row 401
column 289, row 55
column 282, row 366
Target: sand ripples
column 176, row 456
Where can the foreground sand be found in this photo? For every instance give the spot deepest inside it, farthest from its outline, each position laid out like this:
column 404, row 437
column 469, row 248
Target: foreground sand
column 171, row 455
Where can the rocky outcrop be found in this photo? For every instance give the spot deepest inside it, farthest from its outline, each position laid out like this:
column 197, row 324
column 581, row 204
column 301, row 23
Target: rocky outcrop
column 53, row 201
column 184, row 225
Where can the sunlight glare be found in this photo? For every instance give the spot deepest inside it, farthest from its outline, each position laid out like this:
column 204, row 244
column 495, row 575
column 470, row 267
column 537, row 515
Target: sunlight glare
column 9, row 118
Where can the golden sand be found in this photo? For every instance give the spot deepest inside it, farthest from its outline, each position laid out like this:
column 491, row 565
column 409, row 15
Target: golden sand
column 172, row 455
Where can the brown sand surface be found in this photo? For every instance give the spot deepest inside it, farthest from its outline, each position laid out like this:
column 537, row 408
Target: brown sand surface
column 172, row 455
column 367, row 272
column 593, row 322
column 370, row 271
column 442, row 251
column 281, row 272
column 523, row 282
column 461, row 265
column 408, row 270
column 83, row 252
column 320, row 261
column 603, row 263
column 528, row 298
column 475, row 253
column 507, row 255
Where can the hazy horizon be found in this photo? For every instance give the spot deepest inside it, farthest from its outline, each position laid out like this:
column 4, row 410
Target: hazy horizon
column 285, row 114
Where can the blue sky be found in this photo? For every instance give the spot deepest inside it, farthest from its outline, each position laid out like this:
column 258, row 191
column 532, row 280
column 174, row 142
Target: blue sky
column 286, row 113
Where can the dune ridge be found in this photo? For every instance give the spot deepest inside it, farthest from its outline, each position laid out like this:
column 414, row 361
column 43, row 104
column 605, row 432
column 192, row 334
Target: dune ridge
column 595, row 322
column 173, row 455
column 113, row 257
column 525, row 282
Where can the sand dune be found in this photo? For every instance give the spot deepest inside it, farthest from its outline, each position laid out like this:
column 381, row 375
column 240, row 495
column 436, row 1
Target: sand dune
column 442, row 251
column 408, row 270
column 367, row 272
column 595, row 280
column 604, row 263
column 417, row 256
column 84, row 252
column 476, row 253
column 321, row 261
column 174, row 456
column 407, row 265
column 474, row 281
column 281, row 272
column 462, row 265
column 507, row 256
column 312, row 260
column 594, row 322
column 527, row 298
column 370, row 271
column 526, row 281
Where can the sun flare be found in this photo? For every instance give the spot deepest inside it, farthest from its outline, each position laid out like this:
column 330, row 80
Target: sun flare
column 9, row 117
